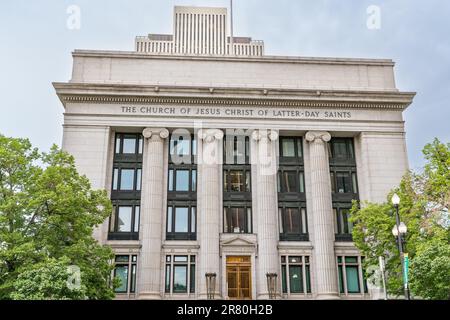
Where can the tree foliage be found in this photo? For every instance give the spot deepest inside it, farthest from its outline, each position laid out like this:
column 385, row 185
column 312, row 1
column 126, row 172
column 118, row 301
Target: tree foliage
column 424, row 209
column 47, row 216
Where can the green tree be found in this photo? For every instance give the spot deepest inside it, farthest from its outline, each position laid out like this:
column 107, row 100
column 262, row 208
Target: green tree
column 47, row 215
column 424, row 209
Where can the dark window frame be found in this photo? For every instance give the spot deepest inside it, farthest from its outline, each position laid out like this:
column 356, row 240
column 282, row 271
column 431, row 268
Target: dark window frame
column 131, row 264
column 297, row 159
column 172, row 234
column 286, row 280
column 113, row 233
column 189, row 264
column 235, row 152
column 342, row 264
column 342, row 230
column 287, row 236
column 241, row 205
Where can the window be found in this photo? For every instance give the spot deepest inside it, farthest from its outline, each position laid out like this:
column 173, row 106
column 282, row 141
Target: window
column 125, row 179
column 236, row 149
column 295, row 274
column 343, row 182
column 124, row 222
column 293, row 223
column 182, row 189
column 181, row 222
column 291, row 147
column 291, row 181
column 237, row 220
column 125, row 271
column 236, row 181
column 341, row 148
column 180, row 274
column 182, row 179
column 350, row 274
column 344, row 226
column 129, row 143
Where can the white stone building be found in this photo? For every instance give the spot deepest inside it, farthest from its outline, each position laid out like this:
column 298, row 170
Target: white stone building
column 220, row 159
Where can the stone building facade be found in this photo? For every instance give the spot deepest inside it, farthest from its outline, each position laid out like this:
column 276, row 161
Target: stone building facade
column 233, row 162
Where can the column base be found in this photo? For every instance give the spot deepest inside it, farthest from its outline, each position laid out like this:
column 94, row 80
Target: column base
column 149, row 296
column 328, row 296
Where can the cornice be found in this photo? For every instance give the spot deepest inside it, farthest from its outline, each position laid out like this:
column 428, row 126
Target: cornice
column 258, row 97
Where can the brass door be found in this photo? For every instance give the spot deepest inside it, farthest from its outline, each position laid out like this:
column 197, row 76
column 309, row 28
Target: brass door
column 239, row 278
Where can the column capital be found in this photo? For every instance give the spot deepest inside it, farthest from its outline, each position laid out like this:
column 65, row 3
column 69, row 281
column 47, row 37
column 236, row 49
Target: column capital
column 163, row 133
column 261, row 134
column 209, row 135
column 320, row 136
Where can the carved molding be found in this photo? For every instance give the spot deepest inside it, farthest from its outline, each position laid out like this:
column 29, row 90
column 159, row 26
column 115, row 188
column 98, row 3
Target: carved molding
column 163, row 133
column 209, row 135
column 320, row 136
column 263, row 134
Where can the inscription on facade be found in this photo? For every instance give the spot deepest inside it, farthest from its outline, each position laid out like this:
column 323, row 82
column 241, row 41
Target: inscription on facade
column 228, row 112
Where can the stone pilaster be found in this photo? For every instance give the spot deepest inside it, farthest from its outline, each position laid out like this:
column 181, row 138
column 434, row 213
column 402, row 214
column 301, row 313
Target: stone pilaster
column 266, row 214
column 152, row 211
column 210, row 172
column 322, row 206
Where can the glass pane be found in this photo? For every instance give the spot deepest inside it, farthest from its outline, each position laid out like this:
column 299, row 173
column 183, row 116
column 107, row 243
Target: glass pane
column 299, row 148
column 122, row 258
column 283, row 279
column 333, row 182
column 352, row 279
column 124, row 221
column 137, row 210
column 169, row 219
column 141, row 145
column 279, row 181
column 225, row 180
column 182, row 147
column 295, row 259
column 193, row 218
column 180, row 279
column 288, row 147
column 194, row 146
column 168, row 258
column 112, row 220
column 301, row 181
column 295, row 279
column 138, row 179
column 344, row 213
column 180, row 258
column 343, row 182
column 248, row 227
column 118, row 144
column 133, row 278
column 292, row 220
column 341, row 280
column 355, row 184
column 182, row 182
column 304, row 221
column 171, row 180
column 129, row 144
column 350, row 148
column 339, row 149
column 290, row 181
column 167, row 288
column 192, row 258
column 236, row 220
column 194, row 180
column 121, row 272
column 308, row 279
column 337, row 227
column 351, row 260
column 127, row 179
column 192, row 279
column 247, row 181
column 237, row 181
column 134, row 258
column 280, row 216
column 115, row 178
column 181, row 219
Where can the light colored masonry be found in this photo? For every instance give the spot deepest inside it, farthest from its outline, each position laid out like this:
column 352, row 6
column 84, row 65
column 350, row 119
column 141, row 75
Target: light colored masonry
column 193, row 80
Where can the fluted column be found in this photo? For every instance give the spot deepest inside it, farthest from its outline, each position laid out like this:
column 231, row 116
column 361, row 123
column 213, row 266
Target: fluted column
column 267, row 208
column 324, row 257
column 210, row 207
column 151, row 213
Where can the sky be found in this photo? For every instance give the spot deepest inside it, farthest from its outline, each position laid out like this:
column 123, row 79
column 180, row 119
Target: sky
column 36, row 45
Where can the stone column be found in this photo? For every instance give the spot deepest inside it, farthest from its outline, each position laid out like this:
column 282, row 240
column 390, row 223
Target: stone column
column 210, row 213
column 266, row 213
column 324, row 257
column 152, row 211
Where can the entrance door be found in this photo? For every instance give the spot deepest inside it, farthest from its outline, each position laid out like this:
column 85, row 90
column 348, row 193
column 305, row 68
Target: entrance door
column 239, row 277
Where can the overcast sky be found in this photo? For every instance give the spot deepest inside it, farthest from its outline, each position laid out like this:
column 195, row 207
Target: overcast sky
column 36, row 46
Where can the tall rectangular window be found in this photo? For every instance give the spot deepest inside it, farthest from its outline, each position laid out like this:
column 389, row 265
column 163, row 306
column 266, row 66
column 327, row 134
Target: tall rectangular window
column 291, row 190
column 180, row 274
column 237, row 220
column 295, row 275
column 350, row 275
column 125, row 271
column 182, row 188
column 126, row 187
